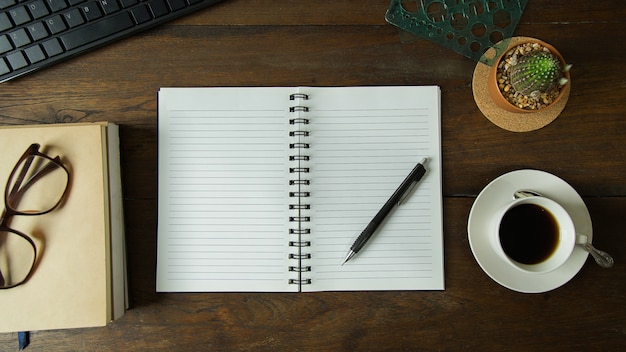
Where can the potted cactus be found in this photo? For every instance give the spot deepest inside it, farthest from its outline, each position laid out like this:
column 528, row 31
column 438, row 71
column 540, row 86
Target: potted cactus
column 528, row 77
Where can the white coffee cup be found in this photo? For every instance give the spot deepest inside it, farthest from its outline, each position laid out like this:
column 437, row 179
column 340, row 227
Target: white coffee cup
column 534, row 234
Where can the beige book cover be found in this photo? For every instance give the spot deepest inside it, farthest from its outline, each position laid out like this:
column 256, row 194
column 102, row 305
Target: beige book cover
column 71, row 285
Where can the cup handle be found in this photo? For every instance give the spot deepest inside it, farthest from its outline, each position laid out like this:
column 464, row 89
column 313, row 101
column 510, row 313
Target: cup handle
column 602, row 258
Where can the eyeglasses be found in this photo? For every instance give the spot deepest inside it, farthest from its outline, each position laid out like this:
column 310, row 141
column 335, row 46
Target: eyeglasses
column 36, row 186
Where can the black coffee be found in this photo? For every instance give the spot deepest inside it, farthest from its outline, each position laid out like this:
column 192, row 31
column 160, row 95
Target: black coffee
column 529, row 234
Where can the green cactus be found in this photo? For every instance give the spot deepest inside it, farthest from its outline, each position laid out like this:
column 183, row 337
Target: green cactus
column 537, row 73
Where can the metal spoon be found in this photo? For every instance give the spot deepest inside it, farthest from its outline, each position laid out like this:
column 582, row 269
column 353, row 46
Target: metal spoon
column 525, row 193
column 602, row 258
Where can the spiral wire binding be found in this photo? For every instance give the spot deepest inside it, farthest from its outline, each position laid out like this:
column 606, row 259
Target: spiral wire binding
column 299, row 194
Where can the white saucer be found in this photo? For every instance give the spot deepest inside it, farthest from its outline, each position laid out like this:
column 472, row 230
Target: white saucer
column 500, row 191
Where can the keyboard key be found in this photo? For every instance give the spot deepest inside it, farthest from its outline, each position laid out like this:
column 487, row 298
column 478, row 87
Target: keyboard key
column 37, row 31
column 38, row 9
column 34, row 54
column 176, row 4
column 6, row 3
column 55, row 24
column 52, row 47
column 5, row 45
column 109, row 6
column 19, row 37
column 140, row 14
column 158, row 8
column 19, row 15
column 17, row 60
column 57, row 5
column 4, row 68
column 5, row 22
column 73, row 18
column 91, row 11
column 75, row 2
column 101, row 29
column 128, row 3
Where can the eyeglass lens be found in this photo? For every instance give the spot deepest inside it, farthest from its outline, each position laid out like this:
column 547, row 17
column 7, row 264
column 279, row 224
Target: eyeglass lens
column 17, row 256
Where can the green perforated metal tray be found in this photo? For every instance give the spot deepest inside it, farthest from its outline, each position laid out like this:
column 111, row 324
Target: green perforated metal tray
column 469, row 27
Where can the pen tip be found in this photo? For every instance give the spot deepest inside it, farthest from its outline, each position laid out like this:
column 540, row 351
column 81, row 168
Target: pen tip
column 424, row 161
column 348, row 257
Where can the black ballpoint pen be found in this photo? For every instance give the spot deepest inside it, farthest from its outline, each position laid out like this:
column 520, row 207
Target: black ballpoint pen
column 396, row 198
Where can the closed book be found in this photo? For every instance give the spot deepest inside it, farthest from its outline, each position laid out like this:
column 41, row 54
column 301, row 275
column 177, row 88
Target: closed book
column 79, row 275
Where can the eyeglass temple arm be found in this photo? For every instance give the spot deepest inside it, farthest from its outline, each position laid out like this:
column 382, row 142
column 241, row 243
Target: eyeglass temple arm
column 17, row 191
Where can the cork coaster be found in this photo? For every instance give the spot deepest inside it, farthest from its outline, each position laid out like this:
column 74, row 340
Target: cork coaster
column 512, row 121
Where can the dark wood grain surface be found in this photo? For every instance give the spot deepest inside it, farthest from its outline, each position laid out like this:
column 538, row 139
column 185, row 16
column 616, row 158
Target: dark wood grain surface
column 340, row 43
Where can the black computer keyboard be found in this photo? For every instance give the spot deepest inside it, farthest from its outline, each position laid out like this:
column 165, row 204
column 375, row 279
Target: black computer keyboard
column 38, row 33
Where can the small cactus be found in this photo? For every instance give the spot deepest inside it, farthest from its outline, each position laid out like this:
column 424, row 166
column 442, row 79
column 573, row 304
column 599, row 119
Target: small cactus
column 537, row 73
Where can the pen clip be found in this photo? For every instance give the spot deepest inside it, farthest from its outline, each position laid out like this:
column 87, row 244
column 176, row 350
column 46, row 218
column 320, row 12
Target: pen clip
column 407, row 193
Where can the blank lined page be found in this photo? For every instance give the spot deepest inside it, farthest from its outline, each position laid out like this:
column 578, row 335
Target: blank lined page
column 365, row 141
column 222, row 190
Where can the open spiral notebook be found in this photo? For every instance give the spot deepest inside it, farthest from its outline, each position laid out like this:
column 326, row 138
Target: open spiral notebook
column 266, row 188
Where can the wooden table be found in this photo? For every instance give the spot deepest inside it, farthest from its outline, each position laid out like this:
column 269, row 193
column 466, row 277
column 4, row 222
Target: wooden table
column 336, row 43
